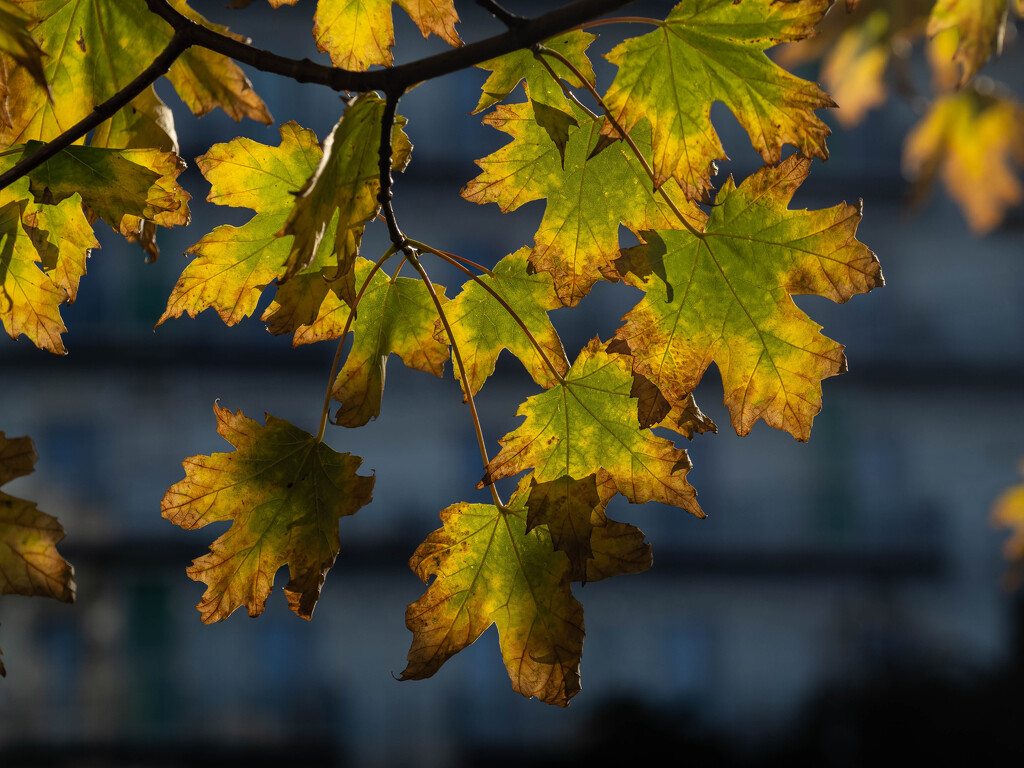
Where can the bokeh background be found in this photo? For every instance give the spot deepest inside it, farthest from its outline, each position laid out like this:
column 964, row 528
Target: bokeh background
column 841, row 603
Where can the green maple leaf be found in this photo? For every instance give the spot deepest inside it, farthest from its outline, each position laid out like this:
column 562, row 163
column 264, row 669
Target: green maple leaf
column 126, row 188
column 284, row 492
column 589, row 423
column 483, row 328
column 17, row 42
column 724, row 297
column 395, row 315
column 29, row 562
column 346, row 182
column 713, row 50
column 588, row 197
column 487, row 570
column 513, row 68
column 980, row 24
column 93, row 50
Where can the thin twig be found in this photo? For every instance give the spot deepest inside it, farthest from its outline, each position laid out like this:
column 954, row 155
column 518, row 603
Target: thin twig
column 102, row 112
column 512, row 313
column 341, row 342
column 445, row 254
column 629, row 139
column 189, row 33
column 509, row 19
column 462, row 373
column 384, row 162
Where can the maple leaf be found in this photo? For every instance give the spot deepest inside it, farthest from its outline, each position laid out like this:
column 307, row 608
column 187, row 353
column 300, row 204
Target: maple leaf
column 513, row 68
column 346, row 181
column 93, row 50
column 487, row 570
column 126, row 188
column 588, row 423
column 63, row 238
column 854, row 71
column 359, row 33
column 588, row 196
column 311, row 207
column 724, row 297
column 42, row 257
column 971, row 141
column 17, row 42
column 29, row 562
column 284, row 493
column 1008, row 512
column 483, row 328
column 234, row 264
column 980, row 23
column 714, row 51
column 395, row 315
column 574, row 513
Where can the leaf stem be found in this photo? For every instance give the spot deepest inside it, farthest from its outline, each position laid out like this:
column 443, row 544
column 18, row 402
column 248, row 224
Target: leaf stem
column 325, row 411
column 462, row 371
column 629, row 139
column 446, row 254
column 620, row 20
column 451, row 259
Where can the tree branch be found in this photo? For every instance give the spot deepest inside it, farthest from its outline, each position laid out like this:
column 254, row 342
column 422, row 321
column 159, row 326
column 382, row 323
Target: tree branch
column 509, row 19
column 524, row 35
column 390, row 80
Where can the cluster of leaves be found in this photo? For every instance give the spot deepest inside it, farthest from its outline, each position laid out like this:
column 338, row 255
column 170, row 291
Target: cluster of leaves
column 971, row 130
column 717, row 268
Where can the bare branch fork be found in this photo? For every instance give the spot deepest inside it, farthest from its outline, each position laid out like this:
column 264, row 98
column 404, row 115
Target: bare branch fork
column 522, row 33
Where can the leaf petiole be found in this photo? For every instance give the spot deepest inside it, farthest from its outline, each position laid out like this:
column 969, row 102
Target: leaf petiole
column 411, row 256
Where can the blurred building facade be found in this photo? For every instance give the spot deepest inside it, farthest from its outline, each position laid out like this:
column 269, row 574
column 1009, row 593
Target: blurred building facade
column 866, row 549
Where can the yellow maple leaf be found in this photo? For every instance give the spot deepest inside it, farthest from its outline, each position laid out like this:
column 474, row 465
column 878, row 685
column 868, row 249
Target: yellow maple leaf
column 972, row 141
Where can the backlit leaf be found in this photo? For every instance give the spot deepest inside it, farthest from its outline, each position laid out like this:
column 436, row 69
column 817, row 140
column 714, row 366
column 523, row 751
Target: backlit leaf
column 587, row 197
column 95, row 49
column 29, row 299
column 284, row 493
column 234, row 264
column 1008, row 512
column 981, row 24
column 724, row 297
column 972, row 142
column 63, row 238
column 29, row 562
column 346, row 183
column 17, row 42
column 854, row 71
column 359, row 33
column 588, row 423
column 487, row 569
column 395, row 315
column 574, row 513
column 483, row 328
column 125, row 187
column 710, row 51
column 511, row 69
